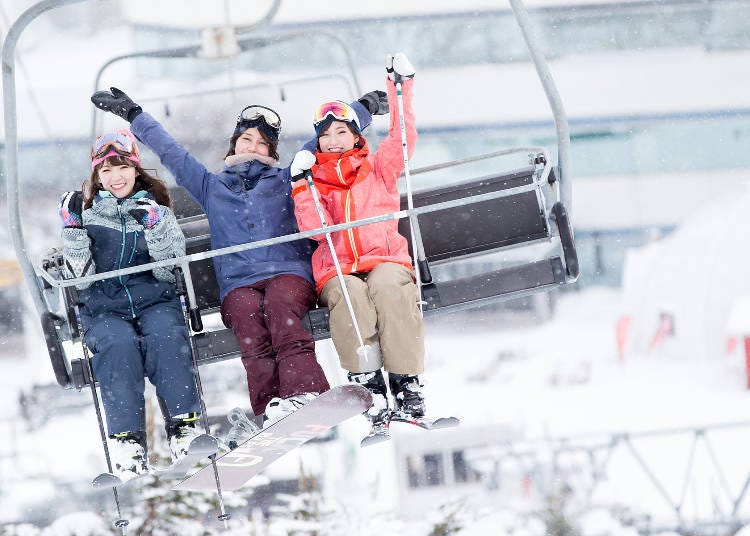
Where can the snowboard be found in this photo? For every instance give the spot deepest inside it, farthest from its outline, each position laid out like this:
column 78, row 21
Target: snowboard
column 201, row 447
column 251, row 457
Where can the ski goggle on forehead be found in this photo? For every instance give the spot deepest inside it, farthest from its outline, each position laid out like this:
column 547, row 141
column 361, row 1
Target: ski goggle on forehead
column 114, row 144
column 338, row 110
column 255, row 112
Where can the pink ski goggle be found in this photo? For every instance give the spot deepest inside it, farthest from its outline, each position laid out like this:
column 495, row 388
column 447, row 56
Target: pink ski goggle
column 120, row 143
column 337, row 110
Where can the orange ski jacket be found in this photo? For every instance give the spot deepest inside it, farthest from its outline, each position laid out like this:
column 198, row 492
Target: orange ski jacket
column 356, row 185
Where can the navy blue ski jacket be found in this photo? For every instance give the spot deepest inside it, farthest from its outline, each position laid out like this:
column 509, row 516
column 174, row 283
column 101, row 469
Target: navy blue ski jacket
column 243, row 203
column 112, row 239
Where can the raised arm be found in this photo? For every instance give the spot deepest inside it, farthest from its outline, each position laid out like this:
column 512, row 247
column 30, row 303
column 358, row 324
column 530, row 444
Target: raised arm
column 389, row 158
column 187, row 171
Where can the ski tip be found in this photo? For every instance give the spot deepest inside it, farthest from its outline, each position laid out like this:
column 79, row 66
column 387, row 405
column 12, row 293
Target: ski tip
column 106, row 480
column 374, row 439
column 204, row 444
column 445, row 422
column 426, row 422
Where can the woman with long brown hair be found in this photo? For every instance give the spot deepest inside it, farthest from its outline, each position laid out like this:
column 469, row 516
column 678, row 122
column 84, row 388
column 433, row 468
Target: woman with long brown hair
column 133, row 324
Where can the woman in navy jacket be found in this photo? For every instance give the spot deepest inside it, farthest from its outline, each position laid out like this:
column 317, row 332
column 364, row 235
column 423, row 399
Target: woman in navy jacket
column 133, row 323
column 264, row 292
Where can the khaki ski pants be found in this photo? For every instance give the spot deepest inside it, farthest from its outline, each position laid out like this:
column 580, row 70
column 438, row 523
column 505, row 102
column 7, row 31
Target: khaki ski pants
column 386, row 306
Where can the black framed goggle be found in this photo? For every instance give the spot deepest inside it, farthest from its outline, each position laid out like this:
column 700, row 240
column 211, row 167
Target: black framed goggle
column 256, row 112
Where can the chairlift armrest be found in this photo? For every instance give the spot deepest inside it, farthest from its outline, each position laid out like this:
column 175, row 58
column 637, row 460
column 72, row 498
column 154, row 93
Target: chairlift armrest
column 55, row 349
column 566, row 240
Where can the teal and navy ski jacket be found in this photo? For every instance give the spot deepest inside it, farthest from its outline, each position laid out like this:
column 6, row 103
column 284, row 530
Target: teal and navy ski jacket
column 112, row 239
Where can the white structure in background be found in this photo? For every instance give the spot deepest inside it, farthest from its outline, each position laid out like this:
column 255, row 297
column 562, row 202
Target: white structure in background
column 685, row 294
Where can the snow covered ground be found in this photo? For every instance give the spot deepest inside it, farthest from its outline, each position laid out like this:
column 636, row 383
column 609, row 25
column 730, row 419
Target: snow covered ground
column 559, row 379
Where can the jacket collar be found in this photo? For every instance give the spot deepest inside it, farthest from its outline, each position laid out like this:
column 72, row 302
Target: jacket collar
column 236, row 159
column 106, row 204
column 353, row 165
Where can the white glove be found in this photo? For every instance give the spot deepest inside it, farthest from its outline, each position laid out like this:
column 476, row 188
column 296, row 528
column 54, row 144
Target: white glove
column 303, row 161
column 398, row 67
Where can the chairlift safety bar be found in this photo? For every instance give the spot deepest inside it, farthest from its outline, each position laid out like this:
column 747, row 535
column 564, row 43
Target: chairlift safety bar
column 184, row 260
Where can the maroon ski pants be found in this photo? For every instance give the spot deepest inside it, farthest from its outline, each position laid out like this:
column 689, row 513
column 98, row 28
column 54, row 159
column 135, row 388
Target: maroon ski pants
column 277, row 352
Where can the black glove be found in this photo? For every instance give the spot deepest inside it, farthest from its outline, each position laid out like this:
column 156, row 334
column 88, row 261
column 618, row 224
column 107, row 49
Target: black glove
column 117, row 102
column 375, row 101
column 71, row 210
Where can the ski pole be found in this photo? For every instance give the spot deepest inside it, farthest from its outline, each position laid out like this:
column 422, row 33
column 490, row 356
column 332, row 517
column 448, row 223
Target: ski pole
column 181, row 273
column 420, row 262
column 72, row 293
column 369, row 356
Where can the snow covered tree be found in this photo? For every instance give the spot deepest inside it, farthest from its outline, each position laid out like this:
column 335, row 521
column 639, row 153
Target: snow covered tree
column 309, row 513
column 555, row 512
column 450, row 521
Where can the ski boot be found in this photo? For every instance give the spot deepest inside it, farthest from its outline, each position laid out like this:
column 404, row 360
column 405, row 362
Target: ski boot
column 407, row 394
column 379, row 413
column 410, row 406
column 180, row 432
column 278, row 408
column 128, row 455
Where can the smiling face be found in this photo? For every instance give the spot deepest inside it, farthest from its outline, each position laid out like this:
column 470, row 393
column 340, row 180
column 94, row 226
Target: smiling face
column 251, row 141
column 337, row 138
column 118, row 178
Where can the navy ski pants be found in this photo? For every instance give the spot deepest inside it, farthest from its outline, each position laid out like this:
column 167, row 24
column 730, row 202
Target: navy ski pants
column 155, row 344
column 277, row 352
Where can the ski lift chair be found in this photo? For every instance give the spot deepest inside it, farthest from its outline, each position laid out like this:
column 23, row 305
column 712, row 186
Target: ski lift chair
column 456, row 222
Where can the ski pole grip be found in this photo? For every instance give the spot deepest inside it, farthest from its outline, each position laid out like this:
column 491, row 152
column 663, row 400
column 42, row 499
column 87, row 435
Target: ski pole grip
column 424, row 271
column 179, row 281
column 196, row 322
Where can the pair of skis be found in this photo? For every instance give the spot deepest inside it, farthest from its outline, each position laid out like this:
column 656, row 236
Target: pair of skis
column 381, row 431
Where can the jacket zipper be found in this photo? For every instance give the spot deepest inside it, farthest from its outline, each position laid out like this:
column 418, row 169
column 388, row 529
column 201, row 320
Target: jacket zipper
column 122, row 256
column 135, row 243
column 347, row 217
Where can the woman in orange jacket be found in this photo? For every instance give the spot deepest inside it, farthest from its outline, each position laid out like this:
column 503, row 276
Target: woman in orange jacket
column 353, row 184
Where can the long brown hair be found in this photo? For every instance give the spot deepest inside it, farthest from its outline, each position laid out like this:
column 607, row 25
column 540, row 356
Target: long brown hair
column 143, row 181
